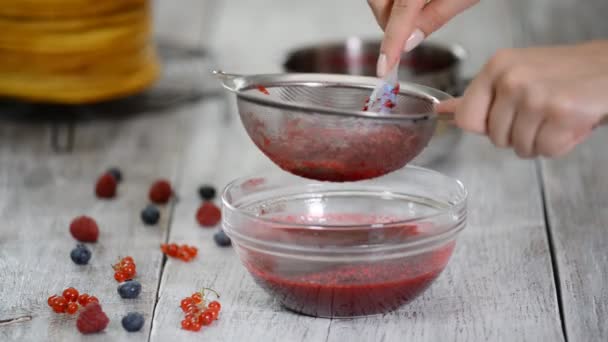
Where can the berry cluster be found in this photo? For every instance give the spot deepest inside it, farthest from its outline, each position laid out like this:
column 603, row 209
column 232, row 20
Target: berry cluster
column 199, row 312
column 107, row 183
column 208, row 214
column 69, row 300
column 183, row 252
column 125, row 269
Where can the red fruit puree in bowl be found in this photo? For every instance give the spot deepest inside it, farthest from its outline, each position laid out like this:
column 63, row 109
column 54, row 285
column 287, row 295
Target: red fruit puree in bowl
column 348, row 290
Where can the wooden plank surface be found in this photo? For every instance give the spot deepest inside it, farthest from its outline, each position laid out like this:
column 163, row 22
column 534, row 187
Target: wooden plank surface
column 499, row 285
column 576, row 186
column 577, row 203
column 42, row 191
column 219, row 152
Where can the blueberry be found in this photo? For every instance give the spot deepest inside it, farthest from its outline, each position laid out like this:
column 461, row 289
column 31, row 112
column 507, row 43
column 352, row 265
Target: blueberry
column 80, row 255
column 207, row 192
column 116, row 173
column 150, row 215
column 221, row 239
column 129, row 289
column 133, row 321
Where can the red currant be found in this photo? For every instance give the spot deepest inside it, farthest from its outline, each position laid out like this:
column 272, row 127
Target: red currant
column 192, row 308
column 128, row 260
column 206, row 318
column 72, row 308
column 214, row 312
column 172, row 250
column 82, row 299
column 196, row 326
column 129, row 271
column 164, row 248
column 183, row 254
column 215, row 304
column 71, row 294
column 186, row 324
column 196, row 297
column 60, row 304
column 185, row 303
column 92, row 299
column 120, row 276
column 51, row 300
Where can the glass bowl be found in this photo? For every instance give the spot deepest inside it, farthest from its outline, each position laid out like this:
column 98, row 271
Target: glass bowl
column 345, row 249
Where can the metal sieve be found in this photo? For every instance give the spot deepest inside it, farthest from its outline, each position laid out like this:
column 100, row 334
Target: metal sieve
column 314, row 125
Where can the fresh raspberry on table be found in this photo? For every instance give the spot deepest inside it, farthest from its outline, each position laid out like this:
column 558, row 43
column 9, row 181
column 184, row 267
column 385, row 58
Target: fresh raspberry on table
column 208, row 214
column 160, row 192
column 92, row 319
column 84, row 229
column 106, row 186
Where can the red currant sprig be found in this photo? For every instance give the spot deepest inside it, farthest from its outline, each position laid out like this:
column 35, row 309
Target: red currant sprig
column 125, row 269
column 199, row 312
column 69, row 300
column 183, row 252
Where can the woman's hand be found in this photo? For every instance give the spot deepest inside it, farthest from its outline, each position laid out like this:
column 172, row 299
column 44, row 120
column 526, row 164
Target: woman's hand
column 406, row 23
column 538, row 101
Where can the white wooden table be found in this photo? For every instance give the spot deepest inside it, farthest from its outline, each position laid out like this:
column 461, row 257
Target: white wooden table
column 531, row 264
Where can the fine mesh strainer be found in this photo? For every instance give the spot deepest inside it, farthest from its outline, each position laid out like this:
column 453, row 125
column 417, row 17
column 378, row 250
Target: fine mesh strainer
column 313, row 125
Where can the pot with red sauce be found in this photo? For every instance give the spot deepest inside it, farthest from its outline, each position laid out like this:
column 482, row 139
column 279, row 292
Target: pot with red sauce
column 345, row 249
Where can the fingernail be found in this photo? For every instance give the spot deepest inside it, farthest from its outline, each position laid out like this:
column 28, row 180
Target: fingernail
column 381, row 67
column 414, row 40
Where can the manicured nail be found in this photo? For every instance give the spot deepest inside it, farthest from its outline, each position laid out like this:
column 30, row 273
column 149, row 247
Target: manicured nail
column 414, row 40
column 381, row 67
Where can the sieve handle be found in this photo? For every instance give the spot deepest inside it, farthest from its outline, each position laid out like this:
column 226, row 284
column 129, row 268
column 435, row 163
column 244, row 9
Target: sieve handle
column 228, row 80
column 449, row 117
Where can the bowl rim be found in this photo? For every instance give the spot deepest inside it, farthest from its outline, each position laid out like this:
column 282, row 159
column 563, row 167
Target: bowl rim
column 459, row 203
column 240, row 84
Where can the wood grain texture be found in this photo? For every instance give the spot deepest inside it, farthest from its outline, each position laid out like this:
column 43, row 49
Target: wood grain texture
column 42, row 191
column 218, row 153
column 498, row 285
column 576, row 186
column 577, row 203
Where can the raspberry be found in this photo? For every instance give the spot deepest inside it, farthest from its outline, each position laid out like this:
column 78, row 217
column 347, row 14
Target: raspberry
column 84, row 229
column 208, row 215
column 160, row 191
column 106, row 186
column 92, row 319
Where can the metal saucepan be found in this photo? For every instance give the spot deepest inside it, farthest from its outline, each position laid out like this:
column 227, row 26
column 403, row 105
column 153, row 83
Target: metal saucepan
column 431, row 64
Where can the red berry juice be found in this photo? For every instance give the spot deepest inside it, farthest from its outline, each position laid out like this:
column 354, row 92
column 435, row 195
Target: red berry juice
column 329, row 289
